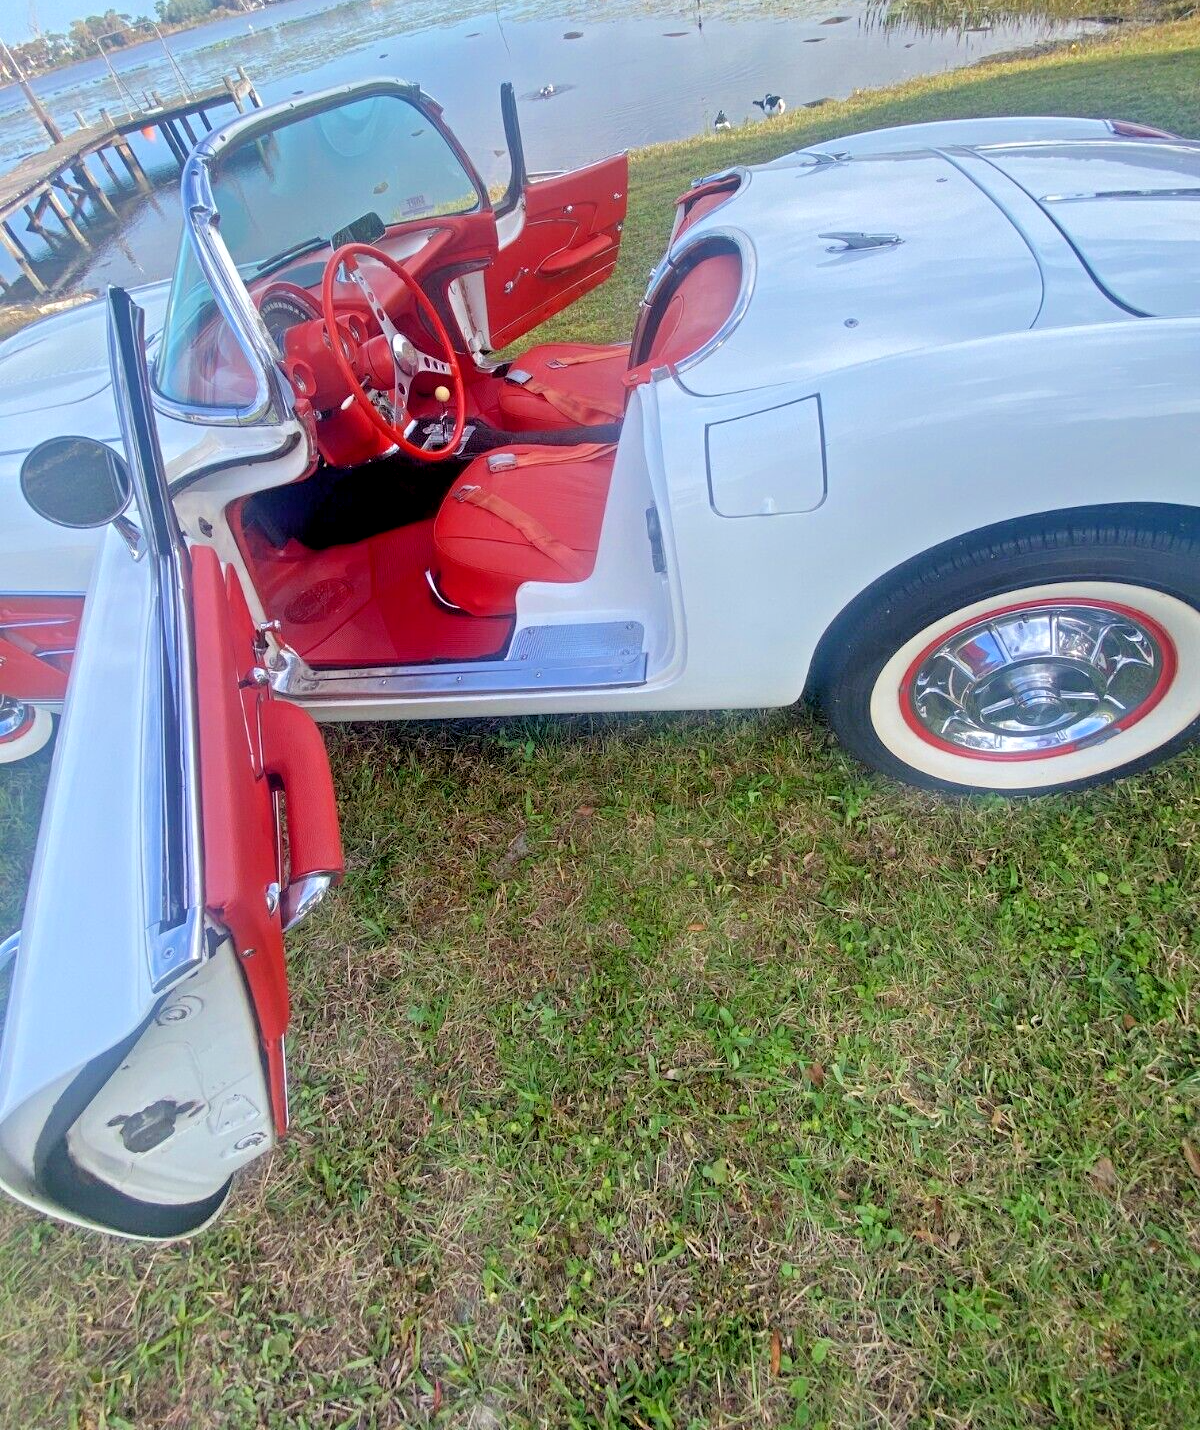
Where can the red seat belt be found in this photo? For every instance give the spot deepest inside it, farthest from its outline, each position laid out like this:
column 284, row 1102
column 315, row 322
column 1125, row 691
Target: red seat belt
column 587, row 412
column 538, row 536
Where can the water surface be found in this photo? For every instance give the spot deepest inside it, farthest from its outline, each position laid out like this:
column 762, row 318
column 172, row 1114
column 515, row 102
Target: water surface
column 624, row 74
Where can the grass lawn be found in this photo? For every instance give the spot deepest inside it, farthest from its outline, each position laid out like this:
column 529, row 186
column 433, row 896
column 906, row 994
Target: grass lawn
column 674, row 1071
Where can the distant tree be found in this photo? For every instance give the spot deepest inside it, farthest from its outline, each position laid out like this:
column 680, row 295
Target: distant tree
column 181, row 12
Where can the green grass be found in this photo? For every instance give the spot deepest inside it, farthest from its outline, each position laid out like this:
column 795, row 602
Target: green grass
column 675, row 1071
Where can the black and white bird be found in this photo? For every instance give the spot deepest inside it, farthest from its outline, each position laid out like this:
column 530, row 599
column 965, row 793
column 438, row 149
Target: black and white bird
column 771, row 105
column 722, row 120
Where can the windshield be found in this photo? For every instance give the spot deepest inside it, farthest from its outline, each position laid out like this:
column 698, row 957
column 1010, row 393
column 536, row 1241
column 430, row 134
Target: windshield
column 353, row 171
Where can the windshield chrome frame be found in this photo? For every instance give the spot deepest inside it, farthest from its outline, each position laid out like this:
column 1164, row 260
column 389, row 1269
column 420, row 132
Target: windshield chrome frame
column 273, row 399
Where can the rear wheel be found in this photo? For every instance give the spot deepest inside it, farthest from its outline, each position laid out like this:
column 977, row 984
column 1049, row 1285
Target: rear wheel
column 1050, row 659
column 24, row 729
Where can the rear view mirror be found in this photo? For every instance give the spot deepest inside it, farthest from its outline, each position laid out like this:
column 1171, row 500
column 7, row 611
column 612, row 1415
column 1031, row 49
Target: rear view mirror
column 370, row 228
column 76, row 482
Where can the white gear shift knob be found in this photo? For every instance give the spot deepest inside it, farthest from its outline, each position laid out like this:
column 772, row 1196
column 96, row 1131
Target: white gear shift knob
column 441, row 393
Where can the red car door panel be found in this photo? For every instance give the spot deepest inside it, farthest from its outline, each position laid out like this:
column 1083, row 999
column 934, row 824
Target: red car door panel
column 567, row 245
column 254, row 750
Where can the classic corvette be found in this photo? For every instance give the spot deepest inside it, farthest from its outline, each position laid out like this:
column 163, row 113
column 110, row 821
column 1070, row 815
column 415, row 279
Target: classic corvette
column 908, row 419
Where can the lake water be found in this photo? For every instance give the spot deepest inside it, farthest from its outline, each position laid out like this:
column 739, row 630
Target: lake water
column 625, row 74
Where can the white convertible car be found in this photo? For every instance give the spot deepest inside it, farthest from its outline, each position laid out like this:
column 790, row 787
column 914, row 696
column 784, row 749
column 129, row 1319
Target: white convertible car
column 909, row 419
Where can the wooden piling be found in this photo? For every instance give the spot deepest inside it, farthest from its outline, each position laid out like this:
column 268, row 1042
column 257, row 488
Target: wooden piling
column 126, row 155
column 18, row 252
column 65, row 219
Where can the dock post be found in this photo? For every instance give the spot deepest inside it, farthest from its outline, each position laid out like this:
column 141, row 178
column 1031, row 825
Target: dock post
column 65, row 219
column 108, row 169
column 188, row 130
column 20, row 255
column 125, row 154
column 174, row 142
column 234, row 94
column 33, row 222
column 93, row 185
column 249, row 83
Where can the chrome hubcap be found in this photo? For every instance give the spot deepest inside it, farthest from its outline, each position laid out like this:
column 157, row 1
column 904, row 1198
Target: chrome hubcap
column 14, row 716
column 1036, row 679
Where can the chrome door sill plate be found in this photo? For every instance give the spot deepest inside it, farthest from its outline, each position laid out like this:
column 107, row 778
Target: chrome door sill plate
column 569, row 657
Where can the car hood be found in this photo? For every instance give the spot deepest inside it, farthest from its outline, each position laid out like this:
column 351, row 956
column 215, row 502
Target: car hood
column 59, row 362
column 813, row 301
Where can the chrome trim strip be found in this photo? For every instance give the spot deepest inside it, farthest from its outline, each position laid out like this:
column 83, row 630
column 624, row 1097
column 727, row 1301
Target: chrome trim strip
column 40, row 595
column 566, row 657
column 26, row 625
column 8, row 950
column 174, row 873
column 1192, row 193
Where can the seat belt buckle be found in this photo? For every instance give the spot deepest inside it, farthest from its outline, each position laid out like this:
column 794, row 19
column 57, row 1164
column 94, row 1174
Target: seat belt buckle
column 501, row 461
column 461, row 494
column 517, row 375
column 555, row 363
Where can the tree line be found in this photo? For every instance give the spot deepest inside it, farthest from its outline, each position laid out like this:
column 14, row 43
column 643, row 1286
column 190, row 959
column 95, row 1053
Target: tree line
column 116, row 29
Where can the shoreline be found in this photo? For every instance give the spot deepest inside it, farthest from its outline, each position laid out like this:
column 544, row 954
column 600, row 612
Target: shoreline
column 18, row 314
column 181, row 27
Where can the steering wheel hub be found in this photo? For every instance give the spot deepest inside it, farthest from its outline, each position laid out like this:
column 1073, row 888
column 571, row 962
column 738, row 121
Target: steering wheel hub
column 388, row 411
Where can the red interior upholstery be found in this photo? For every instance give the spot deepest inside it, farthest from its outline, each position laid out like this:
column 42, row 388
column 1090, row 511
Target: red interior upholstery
column 480, row 558
column 700, row 302
column 367, row 603
column 595, row 383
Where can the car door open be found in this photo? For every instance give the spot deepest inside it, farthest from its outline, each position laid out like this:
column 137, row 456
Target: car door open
column 566, row 240
column 141, row 1062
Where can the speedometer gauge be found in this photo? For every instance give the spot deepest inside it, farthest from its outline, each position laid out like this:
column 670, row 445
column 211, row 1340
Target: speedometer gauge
column 283, row 306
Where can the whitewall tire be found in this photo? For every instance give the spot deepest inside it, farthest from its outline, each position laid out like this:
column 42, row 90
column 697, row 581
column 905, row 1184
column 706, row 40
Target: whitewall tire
column 964, row 674
column 24, row 729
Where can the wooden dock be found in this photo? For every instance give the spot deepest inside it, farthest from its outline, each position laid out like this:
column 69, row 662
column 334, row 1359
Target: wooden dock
column 53, row 188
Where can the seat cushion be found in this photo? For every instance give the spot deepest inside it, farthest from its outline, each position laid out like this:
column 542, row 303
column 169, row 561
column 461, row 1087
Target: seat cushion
column 522, row 513
column 583, row 387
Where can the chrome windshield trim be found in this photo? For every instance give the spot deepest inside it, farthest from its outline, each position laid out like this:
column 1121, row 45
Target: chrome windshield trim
column 173, row 860
column 272, row 400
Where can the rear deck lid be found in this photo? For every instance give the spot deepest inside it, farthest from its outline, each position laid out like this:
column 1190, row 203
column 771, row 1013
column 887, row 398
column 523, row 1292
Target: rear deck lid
column 851, row 261
column 1130, row 209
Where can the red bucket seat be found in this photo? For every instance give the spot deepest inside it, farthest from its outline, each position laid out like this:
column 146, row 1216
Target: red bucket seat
column 564, row 385
column 522, row 513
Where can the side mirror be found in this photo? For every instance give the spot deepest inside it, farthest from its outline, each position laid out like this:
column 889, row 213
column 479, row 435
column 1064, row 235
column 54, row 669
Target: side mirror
column 76, row 482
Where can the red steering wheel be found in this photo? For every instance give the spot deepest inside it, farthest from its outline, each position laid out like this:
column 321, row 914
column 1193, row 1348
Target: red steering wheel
column 407, row 360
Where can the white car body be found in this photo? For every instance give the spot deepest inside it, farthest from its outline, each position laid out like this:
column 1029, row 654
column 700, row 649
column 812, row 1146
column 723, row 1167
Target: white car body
column 917, row 353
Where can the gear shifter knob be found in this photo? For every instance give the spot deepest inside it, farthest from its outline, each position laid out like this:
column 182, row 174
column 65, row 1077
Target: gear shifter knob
column 441, row 393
